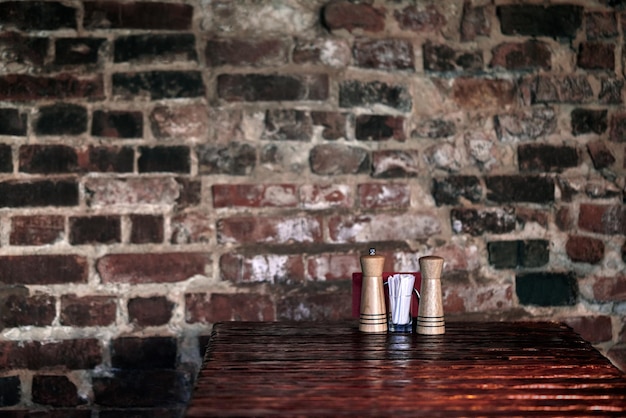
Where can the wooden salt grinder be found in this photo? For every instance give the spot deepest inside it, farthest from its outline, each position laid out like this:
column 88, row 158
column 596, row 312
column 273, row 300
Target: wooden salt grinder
column 430, row 318
column 373, row 314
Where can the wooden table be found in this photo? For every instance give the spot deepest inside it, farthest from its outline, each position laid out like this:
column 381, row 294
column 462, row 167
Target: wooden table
column 529, row 369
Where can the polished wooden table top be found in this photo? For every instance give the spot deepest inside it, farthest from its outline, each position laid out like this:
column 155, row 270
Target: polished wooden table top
column 527, row 369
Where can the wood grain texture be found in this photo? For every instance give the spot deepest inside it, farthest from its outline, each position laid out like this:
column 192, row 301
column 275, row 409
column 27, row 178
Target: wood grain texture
column 475, row 369
column 430, row 316
column 373, row 315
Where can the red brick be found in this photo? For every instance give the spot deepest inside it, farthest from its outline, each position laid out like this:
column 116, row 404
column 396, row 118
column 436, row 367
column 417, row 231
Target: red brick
column 379, row 128
column 38, row 193
column 383, row 227
column 146, row 229
column 522, row 56
column 427, row 19
column 322, row 196
column 604, row 288
column 442, row 57
column 333, row 159
column 384, row 54
column 333, row 123
column 603, row 219
column 36, row 230
column 272, row 268
column 144, row 353
column 350, row 16
column 476, row 93
column 106, row 159
column 88, row 311
column 584, row 249
column 463, row 297
column 316, row 301
column 254, row 195
column 192, row 227
column 276, row 230
column 117, row 124
column 332, row 266
column 132, row 191
column 152, row 311
column 617, row 127
column 189, row 122
column 158, row 84
column 23, row 87
column 384, row 195
column 596, row 329
column 246, row 52
column 190, row 193
column 95, row 230
column 113, row 14
column 77, row 354
column 22, row 310
column 151, row 267
column 201, row 307
column 43, row 269
column 155, row 48
column 564, row 219
column 55, row 390
column 596, row 56
column 475, row 22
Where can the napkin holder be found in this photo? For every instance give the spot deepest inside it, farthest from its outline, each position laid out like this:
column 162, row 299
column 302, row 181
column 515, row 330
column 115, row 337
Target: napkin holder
column 357, row 284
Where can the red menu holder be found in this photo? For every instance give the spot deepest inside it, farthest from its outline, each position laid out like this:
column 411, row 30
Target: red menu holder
column 357, row 283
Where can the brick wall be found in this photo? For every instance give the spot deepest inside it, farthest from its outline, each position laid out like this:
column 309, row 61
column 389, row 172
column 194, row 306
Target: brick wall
column 166, row 165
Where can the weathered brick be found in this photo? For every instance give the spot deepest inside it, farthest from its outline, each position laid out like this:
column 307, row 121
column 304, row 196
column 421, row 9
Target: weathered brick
column 604, row 288
column 103, row 159
column 143, row 353
column 192, row 227
column 272, row 268
column 600, row 25
column 88, row 311
column 610, row 91
column 333, row 123
column 150, row 311
column 146, row 229
column 55, row 390
column 617, row 127
column 353, row 16
column 117, row 124
column 287, row 124
column 60, row 412
column 532, row 189
column 254, row 195
column 11, row 388
column 61, row 119
column 384, row 54
column 383, row 195
column 21, row 310
column 77, row 51
column 547, row 158
column 584, row 249
column 111, row 14
column 37, row 15
column 383, row 227
column 601, row 154
column 602, row 219
column 595, row 329
column 190, row 192
column 23, row 87
column 476, row 93
column 38, row 193
column 103, row 192
column 335, row 159
column 158, row 85
column 94, row 230
column 442, row 57
column 617, row 355
column 564, row 219
column 452, row 190
column 316, row 301
column 518, row 253
column 395, row 163
column 43, row 269
column 190, row 122
column 332, row 266
column 325, row 196
column 283, row 158
column 479, row 221
column 12, row 122
column 246, row 52
column 153, row 48
column 6, row 158
column 525, row 125
column 596, row 56
column 474, row 22
column 541, row 217
column 460, row 297
column 586, row 121
column 515, row 56
column 79, row 354
column 171, row 159
column 151, row 267
column 355, row 93
column 445, row 156
column 379, row 128
column 200, row 307
column 36, row 229
column 47, row 159
column 557, row 89
column 271, row 230
column 23, row 52
column 555, row 21
column 433, row 129
column 267, row 87
column 332, row 52
column 420, row 19
column 235, row 158
column 142, row 388
column 546, row 289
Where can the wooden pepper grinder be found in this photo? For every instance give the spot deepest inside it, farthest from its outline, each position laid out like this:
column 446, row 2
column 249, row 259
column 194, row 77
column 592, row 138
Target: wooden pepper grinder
column 430, row 319
column 373, row 314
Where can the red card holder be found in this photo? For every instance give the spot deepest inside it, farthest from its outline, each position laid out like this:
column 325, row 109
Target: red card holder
column 357, row 283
